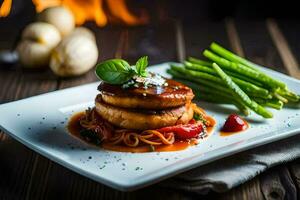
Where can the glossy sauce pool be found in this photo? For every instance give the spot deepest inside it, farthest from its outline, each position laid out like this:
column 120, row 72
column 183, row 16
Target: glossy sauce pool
column 74, row 129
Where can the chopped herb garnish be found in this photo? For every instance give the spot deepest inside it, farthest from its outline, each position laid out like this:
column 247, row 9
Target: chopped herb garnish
column 199, row 117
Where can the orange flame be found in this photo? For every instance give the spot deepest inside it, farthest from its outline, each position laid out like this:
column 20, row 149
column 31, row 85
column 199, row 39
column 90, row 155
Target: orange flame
column 87, row 10
column 93, row 10
column 5, row 8
column 40, row 5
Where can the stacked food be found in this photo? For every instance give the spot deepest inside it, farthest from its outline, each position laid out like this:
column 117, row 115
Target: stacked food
column 148, row 107
column 140, row 111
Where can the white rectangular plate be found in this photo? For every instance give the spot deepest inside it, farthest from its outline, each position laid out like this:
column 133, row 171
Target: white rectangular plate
column 40, row 123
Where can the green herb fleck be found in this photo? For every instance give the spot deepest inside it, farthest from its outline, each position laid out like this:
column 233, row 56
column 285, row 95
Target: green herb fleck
column 199, row 117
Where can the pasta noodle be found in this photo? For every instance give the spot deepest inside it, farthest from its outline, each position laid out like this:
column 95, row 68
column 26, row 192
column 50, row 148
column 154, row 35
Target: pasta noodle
column 131, row 138
column 150, row 137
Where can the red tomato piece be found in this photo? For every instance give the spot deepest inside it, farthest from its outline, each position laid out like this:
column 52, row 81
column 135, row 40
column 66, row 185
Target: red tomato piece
column 184, row 131
column 234, row 123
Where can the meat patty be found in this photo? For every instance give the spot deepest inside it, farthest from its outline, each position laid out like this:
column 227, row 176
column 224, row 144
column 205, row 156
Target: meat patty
column 140, row 119
column 170, row 95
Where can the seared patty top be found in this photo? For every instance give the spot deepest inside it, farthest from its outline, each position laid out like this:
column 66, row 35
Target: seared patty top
column 171, row 94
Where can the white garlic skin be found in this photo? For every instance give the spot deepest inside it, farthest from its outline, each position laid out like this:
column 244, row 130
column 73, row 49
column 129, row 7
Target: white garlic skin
column 75, row 55
column 61, row 17
column 37, row 41
column 33, row 54
column 82, row 31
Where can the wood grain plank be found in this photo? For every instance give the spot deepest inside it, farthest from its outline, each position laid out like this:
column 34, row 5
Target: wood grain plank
column 290, row 62
column 17, row 83
column 180, row 43
column 287, row 181
column 16, row 176
column 258, row 45
column 199, row 35
column 249, row 190
column 277, row 183
column 290, row 28
column 271, row 186
column 8, row 80
column 233, row 37
column 294, row 169
column 156, row 41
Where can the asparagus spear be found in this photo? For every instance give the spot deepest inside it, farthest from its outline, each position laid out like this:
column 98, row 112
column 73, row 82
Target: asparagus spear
column 290, row 96
column 245, row 78
column 273, row 103
column 231, row 56
column 208, row 94
column 202, row 68
column 241, row 94
column 253, row 95
column 179, row 72
column 198, row 74
column 249, row 87
column 209, row 97
column 279, row 97
column 242, row 69
column 198, row 67
column 199, row 62
column 235, row 58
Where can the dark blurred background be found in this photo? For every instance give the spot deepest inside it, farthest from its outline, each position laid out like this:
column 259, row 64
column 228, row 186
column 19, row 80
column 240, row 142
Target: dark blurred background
column 189, row 12
column 198, row 9
column 23, row 11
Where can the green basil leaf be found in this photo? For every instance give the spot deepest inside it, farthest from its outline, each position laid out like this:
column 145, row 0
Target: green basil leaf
column 141, row 65
column 115, row 71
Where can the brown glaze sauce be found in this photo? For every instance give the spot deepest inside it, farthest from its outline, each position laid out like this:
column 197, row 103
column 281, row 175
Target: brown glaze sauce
column 172, row 90
column 74, row 129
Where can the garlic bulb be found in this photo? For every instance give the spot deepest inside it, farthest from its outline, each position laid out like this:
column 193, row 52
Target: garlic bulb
column 33, row 54
column 38, row 40
column 74, row 55
column 82, row 31
column 59, row 16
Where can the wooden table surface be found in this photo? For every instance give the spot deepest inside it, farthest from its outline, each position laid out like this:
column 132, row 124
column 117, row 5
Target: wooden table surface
column 25, row 174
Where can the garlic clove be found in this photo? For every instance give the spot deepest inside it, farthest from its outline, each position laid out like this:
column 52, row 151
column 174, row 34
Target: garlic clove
column 82, row 31
column 75, row 55
column 33, row 54
column 43, row 33
column 61, row 17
